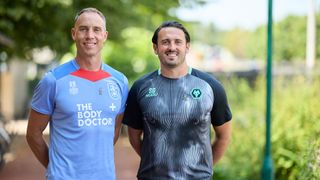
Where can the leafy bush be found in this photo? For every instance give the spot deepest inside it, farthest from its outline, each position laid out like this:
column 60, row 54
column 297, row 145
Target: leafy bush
column 295, row 129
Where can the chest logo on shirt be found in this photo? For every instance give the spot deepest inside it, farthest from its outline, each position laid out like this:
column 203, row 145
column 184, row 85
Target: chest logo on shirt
column 196, row 93
column 73, row 89
column 89, row 116
column 152, row 92
column 113, row 90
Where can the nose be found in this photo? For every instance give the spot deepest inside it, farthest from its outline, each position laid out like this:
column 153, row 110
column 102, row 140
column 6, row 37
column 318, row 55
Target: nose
column 90, row 33
column 172, row 46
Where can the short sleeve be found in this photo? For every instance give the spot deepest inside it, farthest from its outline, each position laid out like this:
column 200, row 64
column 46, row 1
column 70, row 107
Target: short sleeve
column 124, row 93
column 133, row 114
column 44, row 93
column 221, row 112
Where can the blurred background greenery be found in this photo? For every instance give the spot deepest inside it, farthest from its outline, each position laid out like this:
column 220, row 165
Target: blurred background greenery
column 295, row 129
column 28, row 26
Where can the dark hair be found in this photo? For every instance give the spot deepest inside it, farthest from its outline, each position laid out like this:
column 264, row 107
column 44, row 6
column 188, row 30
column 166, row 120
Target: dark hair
column 91, row 9
column 170, row 24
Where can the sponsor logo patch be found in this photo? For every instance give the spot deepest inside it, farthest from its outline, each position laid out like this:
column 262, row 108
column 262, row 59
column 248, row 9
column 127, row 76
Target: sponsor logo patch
column 196, row 93
column 152, row 92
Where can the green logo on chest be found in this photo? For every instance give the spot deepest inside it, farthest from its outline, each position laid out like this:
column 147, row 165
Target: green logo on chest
column 152, row 92
column 196, row 93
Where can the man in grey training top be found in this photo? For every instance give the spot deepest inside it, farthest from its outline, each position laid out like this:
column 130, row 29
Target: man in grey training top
column 173, row 108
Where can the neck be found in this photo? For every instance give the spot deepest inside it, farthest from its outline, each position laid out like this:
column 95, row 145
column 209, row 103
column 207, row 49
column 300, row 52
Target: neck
column 175, row 72
column 89, row 63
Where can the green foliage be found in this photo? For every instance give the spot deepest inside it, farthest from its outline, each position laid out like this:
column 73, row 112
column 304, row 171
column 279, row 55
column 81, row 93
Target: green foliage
column 236, row 40
column 243, row 157
column 246, row 44
column 311, row 160
column 130, row 23
column 32, row 24
column 37, row 23
column 135, row 56
column 289, row 40
column 295, row 129
column 209, row 34
column 257, row 44
column 318, row 35
column 295, row 116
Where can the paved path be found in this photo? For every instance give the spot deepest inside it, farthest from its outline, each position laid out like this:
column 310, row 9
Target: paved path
column 22, row 165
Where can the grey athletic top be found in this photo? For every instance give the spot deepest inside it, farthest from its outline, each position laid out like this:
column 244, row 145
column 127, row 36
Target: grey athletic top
column 175, row 116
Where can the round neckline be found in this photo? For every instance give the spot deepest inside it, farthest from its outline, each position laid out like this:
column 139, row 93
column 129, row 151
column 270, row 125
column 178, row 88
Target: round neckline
column 81, row 69
column 189, row 73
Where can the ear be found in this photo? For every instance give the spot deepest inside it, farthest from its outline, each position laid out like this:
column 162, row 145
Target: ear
column 106, row 36
column 187, row 47
column 155, row 49
column 73, row 33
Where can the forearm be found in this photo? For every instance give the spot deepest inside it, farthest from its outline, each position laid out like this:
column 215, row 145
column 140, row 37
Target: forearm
column 39, row 147
column 115, row 138
column 135, row 139
column 117, row 128
column 136, row 144
column 218, row 148
column 116, row 135
column 222, row 139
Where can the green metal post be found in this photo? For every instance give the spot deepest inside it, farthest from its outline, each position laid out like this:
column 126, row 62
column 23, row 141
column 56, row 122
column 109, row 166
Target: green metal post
column 267, row 168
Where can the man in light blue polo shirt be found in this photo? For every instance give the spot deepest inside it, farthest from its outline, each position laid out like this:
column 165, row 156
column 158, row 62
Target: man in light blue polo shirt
column 83, row 100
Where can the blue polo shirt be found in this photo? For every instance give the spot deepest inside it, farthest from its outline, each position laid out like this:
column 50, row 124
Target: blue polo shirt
column 83, row 106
